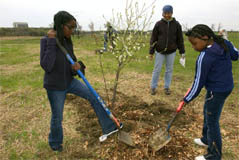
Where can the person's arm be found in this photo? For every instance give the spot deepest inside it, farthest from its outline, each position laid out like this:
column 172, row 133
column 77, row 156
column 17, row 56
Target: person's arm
column 203, row 66
column 234, row 53
column 48, row 51
column 153, row 39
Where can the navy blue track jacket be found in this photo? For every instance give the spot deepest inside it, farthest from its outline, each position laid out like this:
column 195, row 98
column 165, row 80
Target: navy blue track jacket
column 213, row 70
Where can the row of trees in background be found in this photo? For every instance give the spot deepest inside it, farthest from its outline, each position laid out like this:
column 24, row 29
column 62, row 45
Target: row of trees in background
column 215, row 27
column 26, row 31
column 35, row 32
column 38, row 31
column 23, row 31
column 43, row 31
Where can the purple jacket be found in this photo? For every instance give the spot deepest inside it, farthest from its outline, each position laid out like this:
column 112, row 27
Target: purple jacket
column 58, row 72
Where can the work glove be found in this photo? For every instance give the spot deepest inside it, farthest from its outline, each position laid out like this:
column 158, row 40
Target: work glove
column 182, row 60
column 82, row 67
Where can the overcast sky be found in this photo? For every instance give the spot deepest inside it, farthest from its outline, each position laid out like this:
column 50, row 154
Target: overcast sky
column 39, row 13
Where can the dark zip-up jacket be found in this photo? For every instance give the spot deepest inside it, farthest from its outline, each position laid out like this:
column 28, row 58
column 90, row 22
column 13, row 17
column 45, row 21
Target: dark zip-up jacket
column 167, row 37
column 58, row 72
column 213, row 70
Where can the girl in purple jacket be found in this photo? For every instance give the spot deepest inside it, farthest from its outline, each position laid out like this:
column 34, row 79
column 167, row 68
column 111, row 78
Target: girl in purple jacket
column 59, row 79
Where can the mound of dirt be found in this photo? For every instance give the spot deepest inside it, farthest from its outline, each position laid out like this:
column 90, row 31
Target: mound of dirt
column 141, row 120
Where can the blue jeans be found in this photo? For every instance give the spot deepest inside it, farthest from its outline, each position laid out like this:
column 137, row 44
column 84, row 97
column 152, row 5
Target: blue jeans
column 57, row 99
column 159, row 60
column 214, row 102
column 105, row 46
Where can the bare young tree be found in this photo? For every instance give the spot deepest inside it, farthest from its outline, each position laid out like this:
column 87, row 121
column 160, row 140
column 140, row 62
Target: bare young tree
column 131, row 27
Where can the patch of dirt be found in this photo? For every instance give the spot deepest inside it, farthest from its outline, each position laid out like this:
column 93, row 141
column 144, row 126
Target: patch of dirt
column 141, row 120
column 142, row 115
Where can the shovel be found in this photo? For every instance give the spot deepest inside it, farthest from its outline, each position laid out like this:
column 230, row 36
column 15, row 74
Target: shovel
column 122, row 136
column 161, row 137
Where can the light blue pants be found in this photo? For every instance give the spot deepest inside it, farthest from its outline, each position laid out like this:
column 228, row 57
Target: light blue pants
column 159, row 60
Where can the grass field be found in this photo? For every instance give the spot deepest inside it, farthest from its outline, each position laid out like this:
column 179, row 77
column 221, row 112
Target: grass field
column 25, row 111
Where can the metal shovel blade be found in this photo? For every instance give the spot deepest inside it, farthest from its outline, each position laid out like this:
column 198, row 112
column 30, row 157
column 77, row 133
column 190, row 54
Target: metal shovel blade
column 125, row 138
column 159, row 139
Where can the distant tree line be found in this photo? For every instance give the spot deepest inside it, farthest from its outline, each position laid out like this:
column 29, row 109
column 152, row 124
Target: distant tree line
column 35, row 32
column 23, row 31
column 43, row 32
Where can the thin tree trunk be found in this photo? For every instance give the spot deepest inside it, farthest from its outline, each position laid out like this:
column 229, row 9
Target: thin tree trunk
column 102, row 71
column 116, row 85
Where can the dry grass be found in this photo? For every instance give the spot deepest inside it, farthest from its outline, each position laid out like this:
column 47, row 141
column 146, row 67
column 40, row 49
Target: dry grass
column 25, row 119
column 8, row 70
column 25, row 124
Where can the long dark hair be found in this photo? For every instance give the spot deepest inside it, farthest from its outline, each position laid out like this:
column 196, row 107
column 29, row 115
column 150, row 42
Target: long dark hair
column 60, row 19
column 201, row 30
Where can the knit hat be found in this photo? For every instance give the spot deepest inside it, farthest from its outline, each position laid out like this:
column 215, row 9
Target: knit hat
column 168, row 9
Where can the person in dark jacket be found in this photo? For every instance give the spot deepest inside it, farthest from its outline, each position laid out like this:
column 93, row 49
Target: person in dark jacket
column 59, row 79
column 166, row 38
column 214, row 72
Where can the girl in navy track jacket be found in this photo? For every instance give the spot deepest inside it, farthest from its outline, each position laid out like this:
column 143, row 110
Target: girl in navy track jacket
column 214, row 72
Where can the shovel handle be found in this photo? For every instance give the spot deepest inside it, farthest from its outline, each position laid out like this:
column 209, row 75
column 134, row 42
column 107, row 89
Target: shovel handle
column 116, row 121
column 98, row 98
column 180, row 106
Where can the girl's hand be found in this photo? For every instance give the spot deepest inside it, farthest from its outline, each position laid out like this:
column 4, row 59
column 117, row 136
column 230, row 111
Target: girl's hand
column 76, row 66
column 51, row 33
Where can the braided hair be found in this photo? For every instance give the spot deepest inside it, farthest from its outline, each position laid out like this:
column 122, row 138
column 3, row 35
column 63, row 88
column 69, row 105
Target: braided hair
column 60, row 19
column 201, row 30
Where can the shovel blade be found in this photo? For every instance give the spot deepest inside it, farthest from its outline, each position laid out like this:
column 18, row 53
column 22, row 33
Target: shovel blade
column 159, row 139
column 125, row 138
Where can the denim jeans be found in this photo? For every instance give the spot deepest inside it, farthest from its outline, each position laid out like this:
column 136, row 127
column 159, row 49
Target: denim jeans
column 214, row 102
column 159, row 60
column 105, row 46
column 57, row 99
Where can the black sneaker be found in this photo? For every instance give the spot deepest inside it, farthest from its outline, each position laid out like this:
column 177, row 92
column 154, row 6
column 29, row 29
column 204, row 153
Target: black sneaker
column 105, row 136
column 167, row 91
column 57, row 148
column 153, row 91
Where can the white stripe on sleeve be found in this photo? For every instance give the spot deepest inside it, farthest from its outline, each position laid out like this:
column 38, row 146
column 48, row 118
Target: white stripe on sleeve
column 197, row 79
